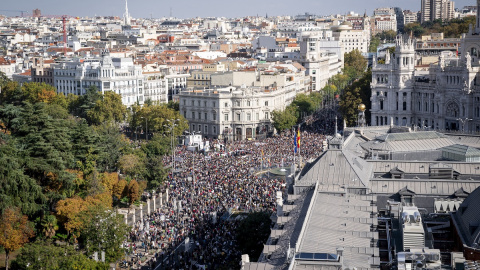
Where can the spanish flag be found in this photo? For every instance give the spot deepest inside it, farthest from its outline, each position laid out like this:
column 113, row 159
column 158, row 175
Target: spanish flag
column 298, row 138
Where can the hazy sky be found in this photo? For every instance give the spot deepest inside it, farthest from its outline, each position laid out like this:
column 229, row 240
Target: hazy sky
column 205, row 8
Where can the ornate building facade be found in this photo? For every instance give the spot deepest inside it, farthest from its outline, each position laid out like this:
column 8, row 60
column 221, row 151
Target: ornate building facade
column 447, row 97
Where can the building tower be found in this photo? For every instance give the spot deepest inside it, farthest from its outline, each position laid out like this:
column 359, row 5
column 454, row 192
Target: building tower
column 126, row 16
column 392, row 86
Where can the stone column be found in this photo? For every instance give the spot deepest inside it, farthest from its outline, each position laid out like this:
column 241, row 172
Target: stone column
column 279, row 204
column 141, row 213
column 166, row 192
column 126, row 218
column 161, row 199
column 154, row 199
column 148, row 206
column 133, row 218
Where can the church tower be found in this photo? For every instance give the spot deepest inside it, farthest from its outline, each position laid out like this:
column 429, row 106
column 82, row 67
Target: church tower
column 126, row 16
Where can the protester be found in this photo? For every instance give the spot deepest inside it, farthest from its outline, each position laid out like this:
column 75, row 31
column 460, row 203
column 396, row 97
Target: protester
column 205, row 190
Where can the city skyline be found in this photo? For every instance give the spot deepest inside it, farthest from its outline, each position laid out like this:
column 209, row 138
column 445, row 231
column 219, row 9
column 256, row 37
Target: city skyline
column 209, row 8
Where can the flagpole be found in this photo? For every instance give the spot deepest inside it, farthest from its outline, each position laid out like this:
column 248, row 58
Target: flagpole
column 298, row 145
column 294, row 152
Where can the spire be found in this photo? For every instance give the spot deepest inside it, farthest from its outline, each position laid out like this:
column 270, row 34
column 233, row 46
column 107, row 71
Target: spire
column 126, row 16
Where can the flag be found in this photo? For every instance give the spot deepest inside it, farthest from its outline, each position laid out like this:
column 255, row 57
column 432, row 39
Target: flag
column 295, row 139
column 298, row 138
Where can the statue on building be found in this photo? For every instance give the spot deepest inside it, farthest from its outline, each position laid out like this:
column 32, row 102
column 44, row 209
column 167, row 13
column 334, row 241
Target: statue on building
column 442, row 61
column 361, row 122
column 468, row 60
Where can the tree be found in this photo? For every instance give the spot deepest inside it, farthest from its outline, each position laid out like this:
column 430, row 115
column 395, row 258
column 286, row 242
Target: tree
column 252, row 233
column 356, row 93
column 111, row 144
column 374, row 43
column 109, row 180
column 348, row 106
column 104, row 230
column 4, row 79
column 108, row 109
column 81, row 105
column 49, row 226
column 303, row 104
column 159, row 145
column 159, row 119
column 15, row 231
column 414, row 28
column 284, row 120
column 47, row 148
column 355, row 64
column 155, row 173
column 132, row 164
column 119, row 189
column 16, row 188
column 38, row 92
column 68, row 213
column 84, row 139
column 43, row 255
column 133, row 191
column 388, row 35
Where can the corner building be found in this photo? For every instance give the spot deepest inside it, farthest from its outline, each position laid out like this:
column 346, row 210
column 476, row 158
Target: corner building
column 445, row 98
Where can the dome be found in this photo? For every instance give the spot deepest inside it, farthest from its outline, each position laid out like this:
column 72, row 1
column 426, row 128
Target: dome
column 362, row 107
column 342, row 27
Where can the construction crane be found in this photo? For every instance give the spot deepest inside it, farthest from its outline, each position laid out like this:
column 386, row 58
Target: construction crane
column 21, row 11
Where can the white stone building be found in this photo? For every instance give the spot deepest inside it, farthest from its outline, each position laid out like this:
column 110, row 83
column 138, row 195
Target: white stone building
column 384, row 19
column 320, row 64
column 232, row 113
column 447, row 97
column 352, row 39
column 120, row 75
column 156, row 87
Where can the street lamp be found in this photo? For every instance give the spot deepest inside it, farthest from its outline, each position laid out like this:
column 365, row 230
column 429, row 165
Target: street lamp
column 464, row 122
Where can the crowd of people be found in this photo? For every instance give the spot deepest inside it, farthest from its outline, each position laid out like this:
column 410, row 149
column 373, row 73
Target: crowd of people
column 205, row 189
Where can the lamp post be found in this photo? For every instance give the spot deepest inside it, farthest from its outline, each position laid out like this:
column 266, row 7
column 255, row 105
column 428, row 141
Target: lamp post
column 464, row 121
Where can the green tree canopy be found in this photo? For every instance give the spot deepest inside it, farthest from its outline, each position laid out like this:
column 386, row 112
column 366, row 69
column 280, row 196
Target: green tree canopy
column 103, row 230
column 284, row 120
column 16, row 188
column 159, row 118
column 108, row 109
column 44, row 255
column 355, row 64
column 357, row 93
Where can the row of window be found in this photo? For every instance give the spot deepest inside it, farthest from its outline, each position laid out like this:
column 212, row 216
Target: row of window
column 237, row 103
column 205, row 129
column 238, row 117
column 202, row 77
